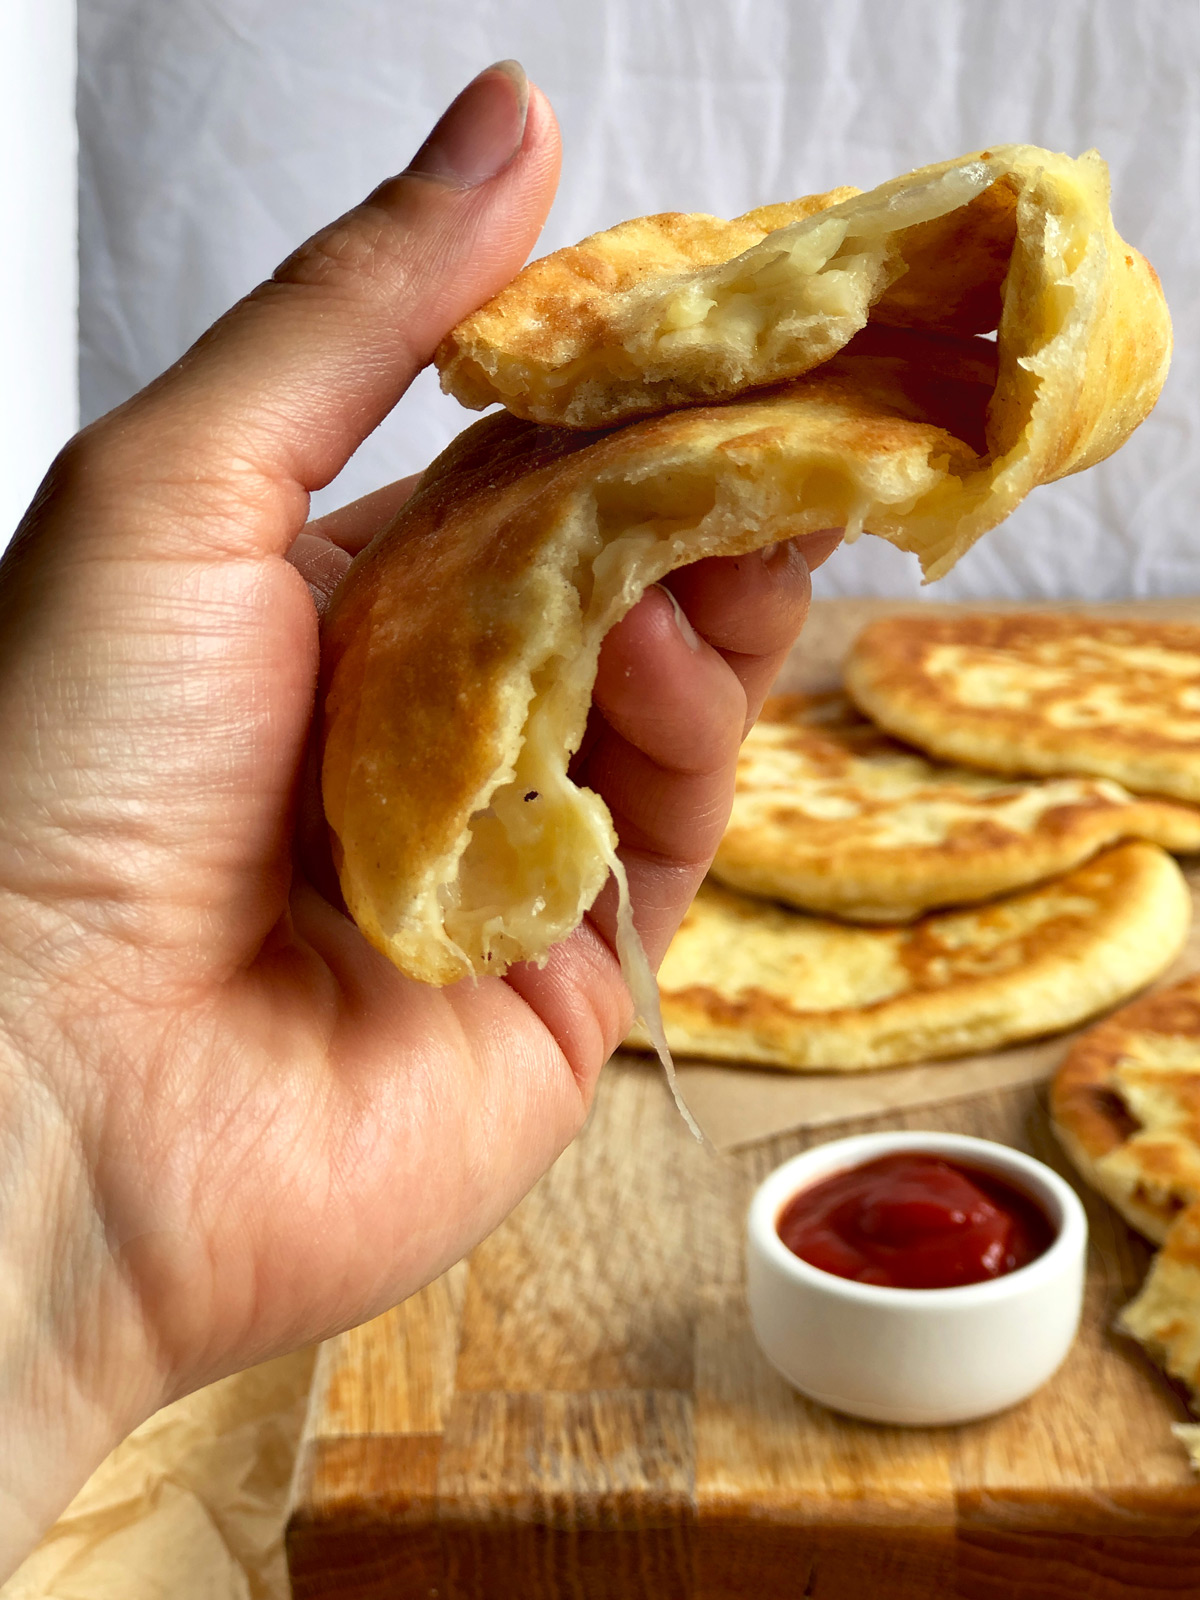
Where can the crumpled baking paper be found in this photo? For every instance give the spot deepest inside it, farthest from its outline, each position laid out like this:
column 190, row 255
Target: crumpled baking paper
column 190, row 1507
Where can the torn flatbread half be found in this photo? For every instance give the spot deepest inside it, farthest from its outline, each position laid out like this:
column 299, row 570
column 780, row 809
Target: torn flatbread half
column 1125, row 1104
column 1165, row 1315
column 462, row 648
column 680, row 309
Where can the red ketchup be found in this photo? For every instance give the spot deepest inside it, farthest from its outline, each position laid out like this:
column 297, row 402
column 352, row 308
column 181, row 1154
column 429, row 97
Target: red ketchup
column 915, row 1221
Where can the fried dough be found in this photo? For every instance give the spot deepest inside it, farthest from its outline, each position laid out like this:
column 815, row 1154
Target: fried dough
column 751, row 982
column 1165, row 1316
column 462, row 647
column 461, row 650
column 680, row 309
column 1040, row 693
column 833, row 816
column 1125, row 1104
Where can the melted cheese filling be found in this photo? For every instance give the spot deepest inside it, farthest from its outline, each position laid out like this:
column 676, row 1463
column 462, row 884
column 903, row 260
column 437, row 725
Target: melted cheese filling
column 538, row 853
column 643, row 987
column 502, row 905
column 787, row 303
column 799, row 286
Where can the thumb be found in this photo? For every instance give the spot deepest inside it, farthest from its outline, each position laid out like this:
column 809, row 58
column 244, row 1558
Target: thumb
column 275, row 398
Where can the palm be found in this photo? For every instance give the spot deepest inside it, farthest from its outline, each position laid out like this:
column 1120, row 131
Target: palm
column 270, row 1095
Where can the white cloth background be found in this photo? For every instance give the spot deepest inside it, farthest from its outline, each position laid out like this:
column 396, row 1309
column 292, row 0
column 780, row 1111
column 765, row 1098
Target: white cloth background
column 215, row 134
column 38, row 281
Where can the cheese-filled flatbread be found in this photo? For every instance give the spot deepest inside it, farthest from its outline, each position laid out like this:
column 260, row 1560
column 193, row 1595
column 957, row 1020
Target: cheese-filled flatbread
column 678, row 309
column 1040, row 693
column 832, row 815
column 1125, row 1104
column 462, row 648
column 747, row 981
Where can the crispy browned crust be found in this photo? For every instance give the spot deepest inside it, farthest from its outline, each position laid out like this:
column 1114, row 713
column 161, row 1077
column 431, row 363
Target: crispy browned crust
column 1092, row 1120
column 908, row 672
column 751, row 982
column 435, row 640
column 832, row 815
column 1033, row 256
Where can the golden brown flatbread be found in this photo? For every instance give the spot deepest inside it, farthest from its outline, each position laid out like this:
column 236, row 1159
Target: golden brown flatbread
column 832, row 815
column 1165, row 1316
column 747, row 981
column 461, row 650
column 1125, row 1104
column 1040, row 693
column 677, row 310
column 463, row 644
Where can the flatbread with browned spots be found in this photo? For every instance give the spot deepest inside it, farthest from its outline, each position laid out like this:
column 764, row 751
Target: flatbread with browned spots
column 1165, row 1315
column 832, row 815
column 677, row 309
column 1125, row 1104
column 1040, row 693
column 748, row 981
column 462, row 647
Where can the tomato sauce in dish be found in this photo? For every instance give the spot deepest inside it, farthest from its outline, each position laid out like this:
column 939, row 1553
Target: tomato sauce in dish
column 915, row 1220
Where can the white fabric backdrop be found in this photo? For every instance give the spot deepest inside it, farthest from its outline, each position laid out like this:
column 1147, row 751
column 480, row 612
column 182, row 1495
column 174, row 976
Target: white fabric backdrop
column 38, row 282
column 215, row 134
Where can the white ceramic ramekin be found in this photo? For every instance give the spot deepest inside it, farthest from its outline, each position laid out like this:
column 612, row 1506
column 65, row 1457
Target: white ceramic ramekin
column 915, row 1356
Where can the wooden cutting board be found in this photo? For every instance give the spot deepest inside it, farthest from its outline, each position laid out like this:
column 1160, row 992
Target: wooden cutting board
column 579, row 1409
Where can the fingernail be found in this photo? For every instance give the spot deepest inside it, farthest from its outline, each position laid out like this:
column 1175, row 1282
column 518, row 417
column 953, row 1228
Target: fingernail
column 768, row 552
column 687, row 632
column 481, row 131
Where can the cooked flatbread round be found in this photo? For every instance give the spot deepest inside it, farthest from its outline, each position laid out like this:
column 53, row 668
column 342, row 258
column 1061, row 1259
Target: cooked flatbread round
column 677, row 310
column 751, row 982
column 1165, row 1316
column 1125, row 1104
column 832, row 815
column 1040, row 693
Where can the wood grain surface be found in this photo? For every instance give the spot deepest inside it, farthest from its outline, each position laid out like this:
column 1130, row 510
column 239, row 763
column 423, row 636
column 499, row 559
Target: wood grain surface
column 579, row 1412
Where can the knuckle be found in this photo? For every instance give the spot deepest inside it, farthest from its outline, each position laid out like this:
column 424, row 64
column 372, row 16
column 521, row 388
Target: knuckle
column 79, row 469
column 359, row 245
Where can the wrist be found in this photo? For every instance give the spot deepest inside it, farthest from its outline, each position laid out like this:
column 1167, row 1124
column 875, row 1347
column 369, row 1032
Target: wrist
column 75, row 1369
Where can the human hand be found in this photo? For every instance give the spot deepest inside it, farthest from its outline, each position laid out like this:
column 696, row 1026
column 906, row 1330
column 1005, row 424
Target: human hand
column 229, row 1126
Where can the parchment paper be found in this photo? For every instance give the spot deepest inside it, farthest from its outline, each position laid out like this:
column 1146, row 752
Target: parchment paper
column 190, row 1507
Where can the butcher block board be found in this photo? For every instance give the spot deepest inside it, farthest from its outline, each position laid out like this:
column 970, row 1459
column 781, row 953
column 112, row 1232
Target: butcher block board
column 579, row 1410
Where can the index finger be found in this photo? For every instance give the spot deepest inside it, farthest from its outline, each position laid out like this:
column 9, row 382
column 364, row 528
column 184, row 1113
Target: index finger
column 272, row 401
column 748, row 607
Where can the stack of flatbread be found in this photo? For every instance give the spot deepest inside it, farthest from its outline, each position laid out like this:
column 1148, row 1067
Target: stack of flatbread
column 1119, row 701
column 968, row 846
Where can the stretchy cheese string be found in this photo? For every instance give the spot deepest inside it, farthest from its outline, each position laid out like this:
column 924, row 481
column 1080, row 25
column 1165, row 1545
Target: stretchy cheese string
column 642, row 984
